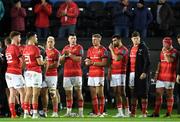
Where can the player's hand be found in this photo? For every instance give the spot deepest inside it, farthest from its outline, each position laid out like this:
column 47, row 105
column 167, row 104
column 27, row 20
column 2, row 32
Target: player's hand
column 66, row 53
column 178, row 79
column 111, row 46
column 155, row 77
column 88, row 62
column 143, row 76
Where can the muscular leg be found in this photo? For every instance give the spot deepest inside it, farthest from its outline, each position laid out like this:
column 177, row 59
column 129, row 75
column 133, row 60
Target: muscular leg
column 159, row 93
column 80, row 100
column 44, row 98
column 170, row 100
column 12, row 102
column 94, row 99
column 100, row 92
column 69, row 100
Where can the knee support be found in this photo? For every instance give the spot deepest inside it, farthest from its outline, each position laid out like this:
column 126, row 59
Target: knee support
column 52, row 92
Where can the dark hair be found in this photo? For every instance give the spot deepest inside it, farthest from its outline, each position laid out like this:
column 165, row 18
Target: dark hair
column 71, row 34
column 29, row 35
column 7, row 40
column 14, row 33
column 16, row 1
column 116, row 36
column 178, row 36
column 97, row 35
column 135, row 34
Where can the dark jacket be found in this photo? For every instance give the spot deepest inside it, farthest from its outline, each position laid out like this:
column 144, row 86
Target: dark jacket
column 121, row 17
column 142, row 66
column 142, row 18
column 166, row 15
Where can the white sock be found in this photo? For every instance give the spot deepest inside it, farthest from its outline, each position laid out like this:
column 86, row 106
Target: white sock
column 120, row 110
column 80, row 110
column 69, row 110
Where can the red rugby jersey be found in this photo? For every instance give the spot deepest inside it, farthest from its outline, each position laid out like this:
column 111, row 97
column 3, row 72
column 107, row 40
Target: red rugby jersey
column 133, row 52
column 119, row 67
column 73, row 68
column 96, row 55
column 52, row 55
column 12, row 56
column 30, row 54
column 167, row 70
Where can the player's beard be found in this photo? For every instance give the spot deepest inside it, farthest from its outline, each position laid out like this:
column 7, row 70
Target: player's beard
column 116, row 44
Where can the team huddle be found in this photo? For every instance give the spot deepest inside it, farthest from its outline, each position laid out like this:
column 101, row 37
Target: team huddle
column 128, row 67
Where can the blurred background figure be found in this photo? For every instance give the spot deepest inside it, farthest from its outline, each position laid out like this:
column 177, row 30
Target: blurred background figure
column 121, row 14
column 165, row 18
column 142, row 18
column 42, row 10
column 68, row 13
column 18, row 14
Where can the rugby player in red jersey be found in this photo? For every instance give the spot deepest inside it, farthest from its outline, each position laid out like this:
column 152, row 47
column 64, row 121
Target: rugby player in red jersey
column 178, row 66
column 165, row 77
column 71, row 58
column 33, row 74
column 51, row 76
column 97, row 60
column 14, row 78
column 117, row 70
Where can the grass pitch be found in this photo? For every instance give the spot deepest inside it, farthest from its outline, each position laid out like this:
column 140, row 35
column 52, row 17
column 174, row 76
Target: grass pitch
column 111, row 112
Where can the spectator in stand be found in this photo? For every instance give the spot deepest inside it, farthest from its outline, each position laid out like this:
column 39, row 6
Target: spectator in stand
column 68, row 13
column 164, row 18
column 142, row 18
column 42, row 10
column 121, row 14
column 18, row 14
column 1, row 10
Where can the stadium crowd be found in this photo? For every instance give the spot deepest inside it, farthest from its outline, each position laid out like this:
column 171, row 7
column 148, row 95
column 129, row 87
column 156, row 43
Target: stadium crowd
column 29, row 72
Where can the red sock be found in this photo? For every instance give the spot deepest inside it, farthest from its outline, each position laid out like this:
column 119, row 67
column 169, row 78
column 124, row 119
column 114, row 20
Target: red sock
column 12, row 109
column 95, row 105
column 134, row 107
column 170, row 102
column 22, row 106
column 144, row 106
column 80, row 103
column 158, row 104
column 27, row 106
column 69, row 103
column 119, row 104
column 35, row 106
column 55, row 108
column 102, row 102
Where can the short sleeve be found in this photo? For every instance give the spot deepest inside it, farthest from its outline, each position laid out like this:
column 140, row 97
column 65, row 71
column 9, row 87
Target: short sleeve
column 37, row 53
column 104, row 53
column 80, row 51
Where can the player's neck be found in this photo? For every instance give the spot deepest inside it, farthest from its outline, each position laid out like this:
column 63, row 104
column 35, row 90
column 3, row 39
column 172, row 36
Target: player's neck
column 14, row 43
column 31, row 43
column 72, row 45
column 97, row 46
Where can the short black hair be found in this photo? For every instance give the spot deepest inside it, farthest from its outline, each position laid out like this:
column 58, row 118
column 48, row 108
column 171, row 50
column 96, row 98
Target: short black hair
column 7, row 40
column 29, row 35
column 116, row 36
column 135, row 34
column 178, row 36
column 14, row 33
column 71, row 34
